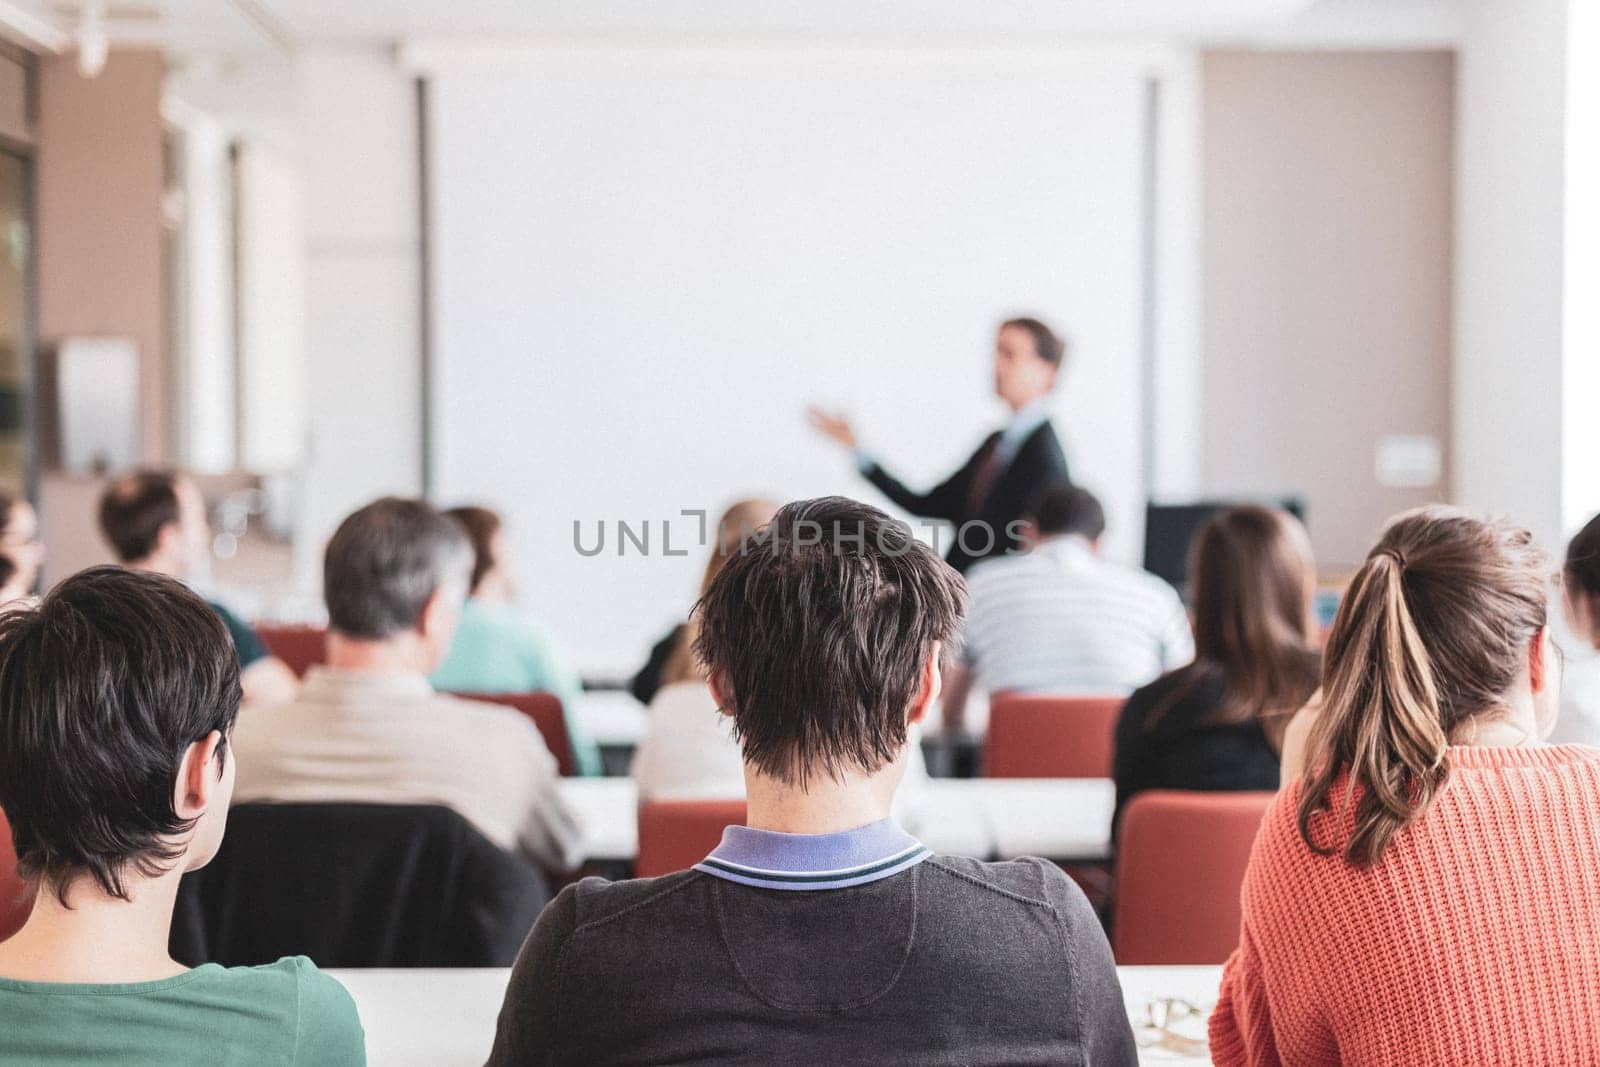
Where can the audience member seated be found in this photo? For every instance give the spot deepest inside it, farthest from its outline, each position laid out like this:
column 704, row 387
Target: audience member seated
column 1580, row 681
column 1429, row 890
column 21, row 551
column 120, row 691
column 822, row 931
column 688, row 750
column 156, row 521
column 367, row 726
column 499, row 649
column 1219, row 722
column 1059, row 619
column 672, row 657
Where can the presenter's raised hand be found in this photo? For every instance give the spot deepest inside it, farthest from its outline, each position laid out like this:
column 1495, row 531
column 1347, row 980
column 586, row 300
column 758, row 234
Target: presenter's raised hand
column 836, row 427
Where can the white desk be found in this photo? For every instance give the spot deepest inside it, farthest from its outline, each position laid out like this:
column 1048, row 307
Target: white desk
column 439, row 1018
column 612, row 717
column 988, row 818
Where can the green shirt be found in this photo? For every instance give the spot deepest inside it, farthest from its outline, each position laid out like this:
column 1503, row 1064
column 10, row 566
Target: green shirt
column 246, row 642
column 497, row 649
column 282, row 1013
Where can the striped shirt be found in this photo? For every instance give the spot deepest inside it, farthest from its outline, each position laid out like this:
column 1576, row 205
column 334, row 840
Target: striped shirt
column 1060, row 619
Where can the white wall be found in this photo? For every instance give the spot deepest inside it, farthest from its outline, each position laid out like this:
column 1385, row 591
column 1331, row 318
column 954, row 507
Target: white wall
column 203, row 365
column 1177, row 419
column 359, row 153
column 273, row 390
column 1508, row 372
column 1580, row 447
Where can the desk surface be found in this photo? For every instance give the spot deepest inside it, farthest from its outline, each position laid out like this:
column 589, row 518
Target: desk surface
column 987, row 818
column 439, row 1018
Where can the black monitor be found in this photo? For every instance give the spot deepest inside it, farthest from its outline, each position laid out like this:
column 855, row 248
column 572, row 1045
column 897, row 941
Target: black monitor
column 1169, row 530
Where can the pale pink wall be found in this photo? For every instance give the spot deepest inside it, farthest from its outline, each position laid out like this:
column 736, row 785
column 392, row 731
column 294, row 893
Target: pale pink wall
column 99, row 235
column 1327, row 261
column 99, row 182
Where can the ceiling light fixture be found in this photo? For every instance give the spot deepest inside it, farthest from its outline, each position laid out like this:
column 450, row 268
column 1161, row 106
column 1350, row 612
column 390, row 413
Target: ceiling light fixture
column 93, row 41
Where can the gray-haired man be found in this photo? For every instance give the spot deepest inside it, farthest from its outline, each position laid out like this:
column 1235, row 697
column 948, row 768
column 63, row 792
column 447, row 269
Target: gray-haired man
column 368, row 728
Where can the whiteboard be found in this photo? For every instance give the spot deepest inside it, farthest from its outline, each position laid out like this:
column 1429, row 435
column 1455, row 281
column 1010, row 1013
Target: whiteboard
column 640, row 274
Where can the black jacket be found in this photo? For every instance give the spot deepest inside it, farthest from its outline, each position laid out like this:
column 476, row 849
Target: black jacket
column 356, row 885
column 1038, row 464
column 1168, row 737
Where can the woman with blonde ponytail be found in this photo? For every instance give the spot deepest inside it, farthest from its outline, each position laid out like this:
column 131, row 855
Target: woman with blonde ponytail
column 1428, row 891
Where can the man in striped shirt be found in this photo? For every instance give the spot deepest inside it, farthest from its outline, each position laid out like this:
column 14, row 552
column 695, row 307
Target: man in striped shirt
column 1060, row 619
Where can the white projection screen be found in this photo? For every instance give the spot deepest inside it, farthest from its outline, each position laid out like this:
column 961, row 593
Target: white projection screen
column 641, row 270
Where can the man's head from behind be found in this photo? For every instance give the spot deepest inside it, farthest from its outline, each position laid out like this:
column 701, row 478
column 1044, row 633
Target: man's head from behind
column 822, row 637
column 1066, row 511
column 156, row 520
column 119, row 692
column 396, row 573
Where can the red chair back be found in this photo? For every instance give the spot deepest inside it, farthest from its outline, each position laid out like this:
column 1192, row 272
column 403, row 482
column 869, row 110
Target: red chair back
column 301, row 647
column 674, row 835
column 15, row 900
column 1181, row 859
column 1043, row 736
column 546, row 712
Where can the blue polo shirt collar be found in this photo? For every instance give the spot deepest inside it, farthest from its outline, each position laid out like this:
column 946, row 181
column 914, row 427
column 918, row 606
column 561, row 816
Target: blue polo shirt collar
column 774, row 860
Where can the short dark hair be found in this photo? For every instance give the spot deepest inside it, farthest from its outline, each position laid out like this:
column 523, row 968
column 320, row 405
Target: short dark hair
column 133, row 510
column 105, row 685
column 481, row 525
column 1051, row 348
column 1068, row 509
column 817, row 631
column 1582, row 567
column 385, row 561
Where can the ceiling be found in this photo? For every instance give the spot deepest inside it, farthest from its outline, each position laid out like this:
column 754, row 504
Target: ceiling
column 233, row 60
column 233, row 26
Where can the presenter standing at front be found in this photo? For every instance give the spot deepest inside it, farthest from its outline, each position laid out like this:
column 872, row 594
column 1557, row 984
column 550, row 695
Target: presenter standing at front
column 989, row 496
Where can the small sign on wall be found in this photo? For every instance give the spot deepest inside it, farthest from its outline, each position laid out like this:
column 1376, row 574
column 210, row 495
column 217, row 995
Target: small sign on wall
column 1409, row 461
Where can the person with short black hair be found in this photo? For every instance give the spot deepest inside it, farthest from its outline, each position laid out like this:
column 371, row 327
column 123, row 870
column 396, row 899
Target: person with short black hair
column 821, row 931
column 1059, row 618
column 155, row 520
column 367, row 727
column 120, row 692
column 986, row 499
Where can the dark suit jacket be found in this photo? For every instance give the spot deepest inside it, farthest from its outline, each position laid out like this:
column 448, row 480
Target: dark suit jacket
column 1038, row 464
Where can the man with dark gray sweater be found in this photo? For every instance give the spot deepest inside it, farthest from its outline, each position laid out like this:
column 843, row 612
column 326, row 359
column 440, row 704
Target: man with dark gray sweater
column 822, row 932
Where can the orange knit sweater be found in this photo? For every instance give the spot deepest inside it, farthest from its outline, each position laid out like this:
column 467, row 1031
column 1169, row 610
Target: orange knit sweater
column 1475, row 940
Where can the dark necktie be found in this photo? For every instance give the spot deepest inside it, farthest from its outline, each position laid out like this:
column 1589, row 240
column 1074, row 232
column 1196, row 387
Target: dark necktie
column 983, row 477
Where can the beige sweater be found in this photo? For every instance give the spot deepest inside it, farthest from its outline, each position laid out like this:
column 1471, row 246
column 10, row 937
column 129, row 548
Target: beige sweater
column 375, row 738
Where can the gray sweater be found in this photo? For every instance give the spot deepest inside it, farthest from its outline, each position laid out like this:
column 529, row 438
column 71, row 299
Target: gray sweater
column 950, row 961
